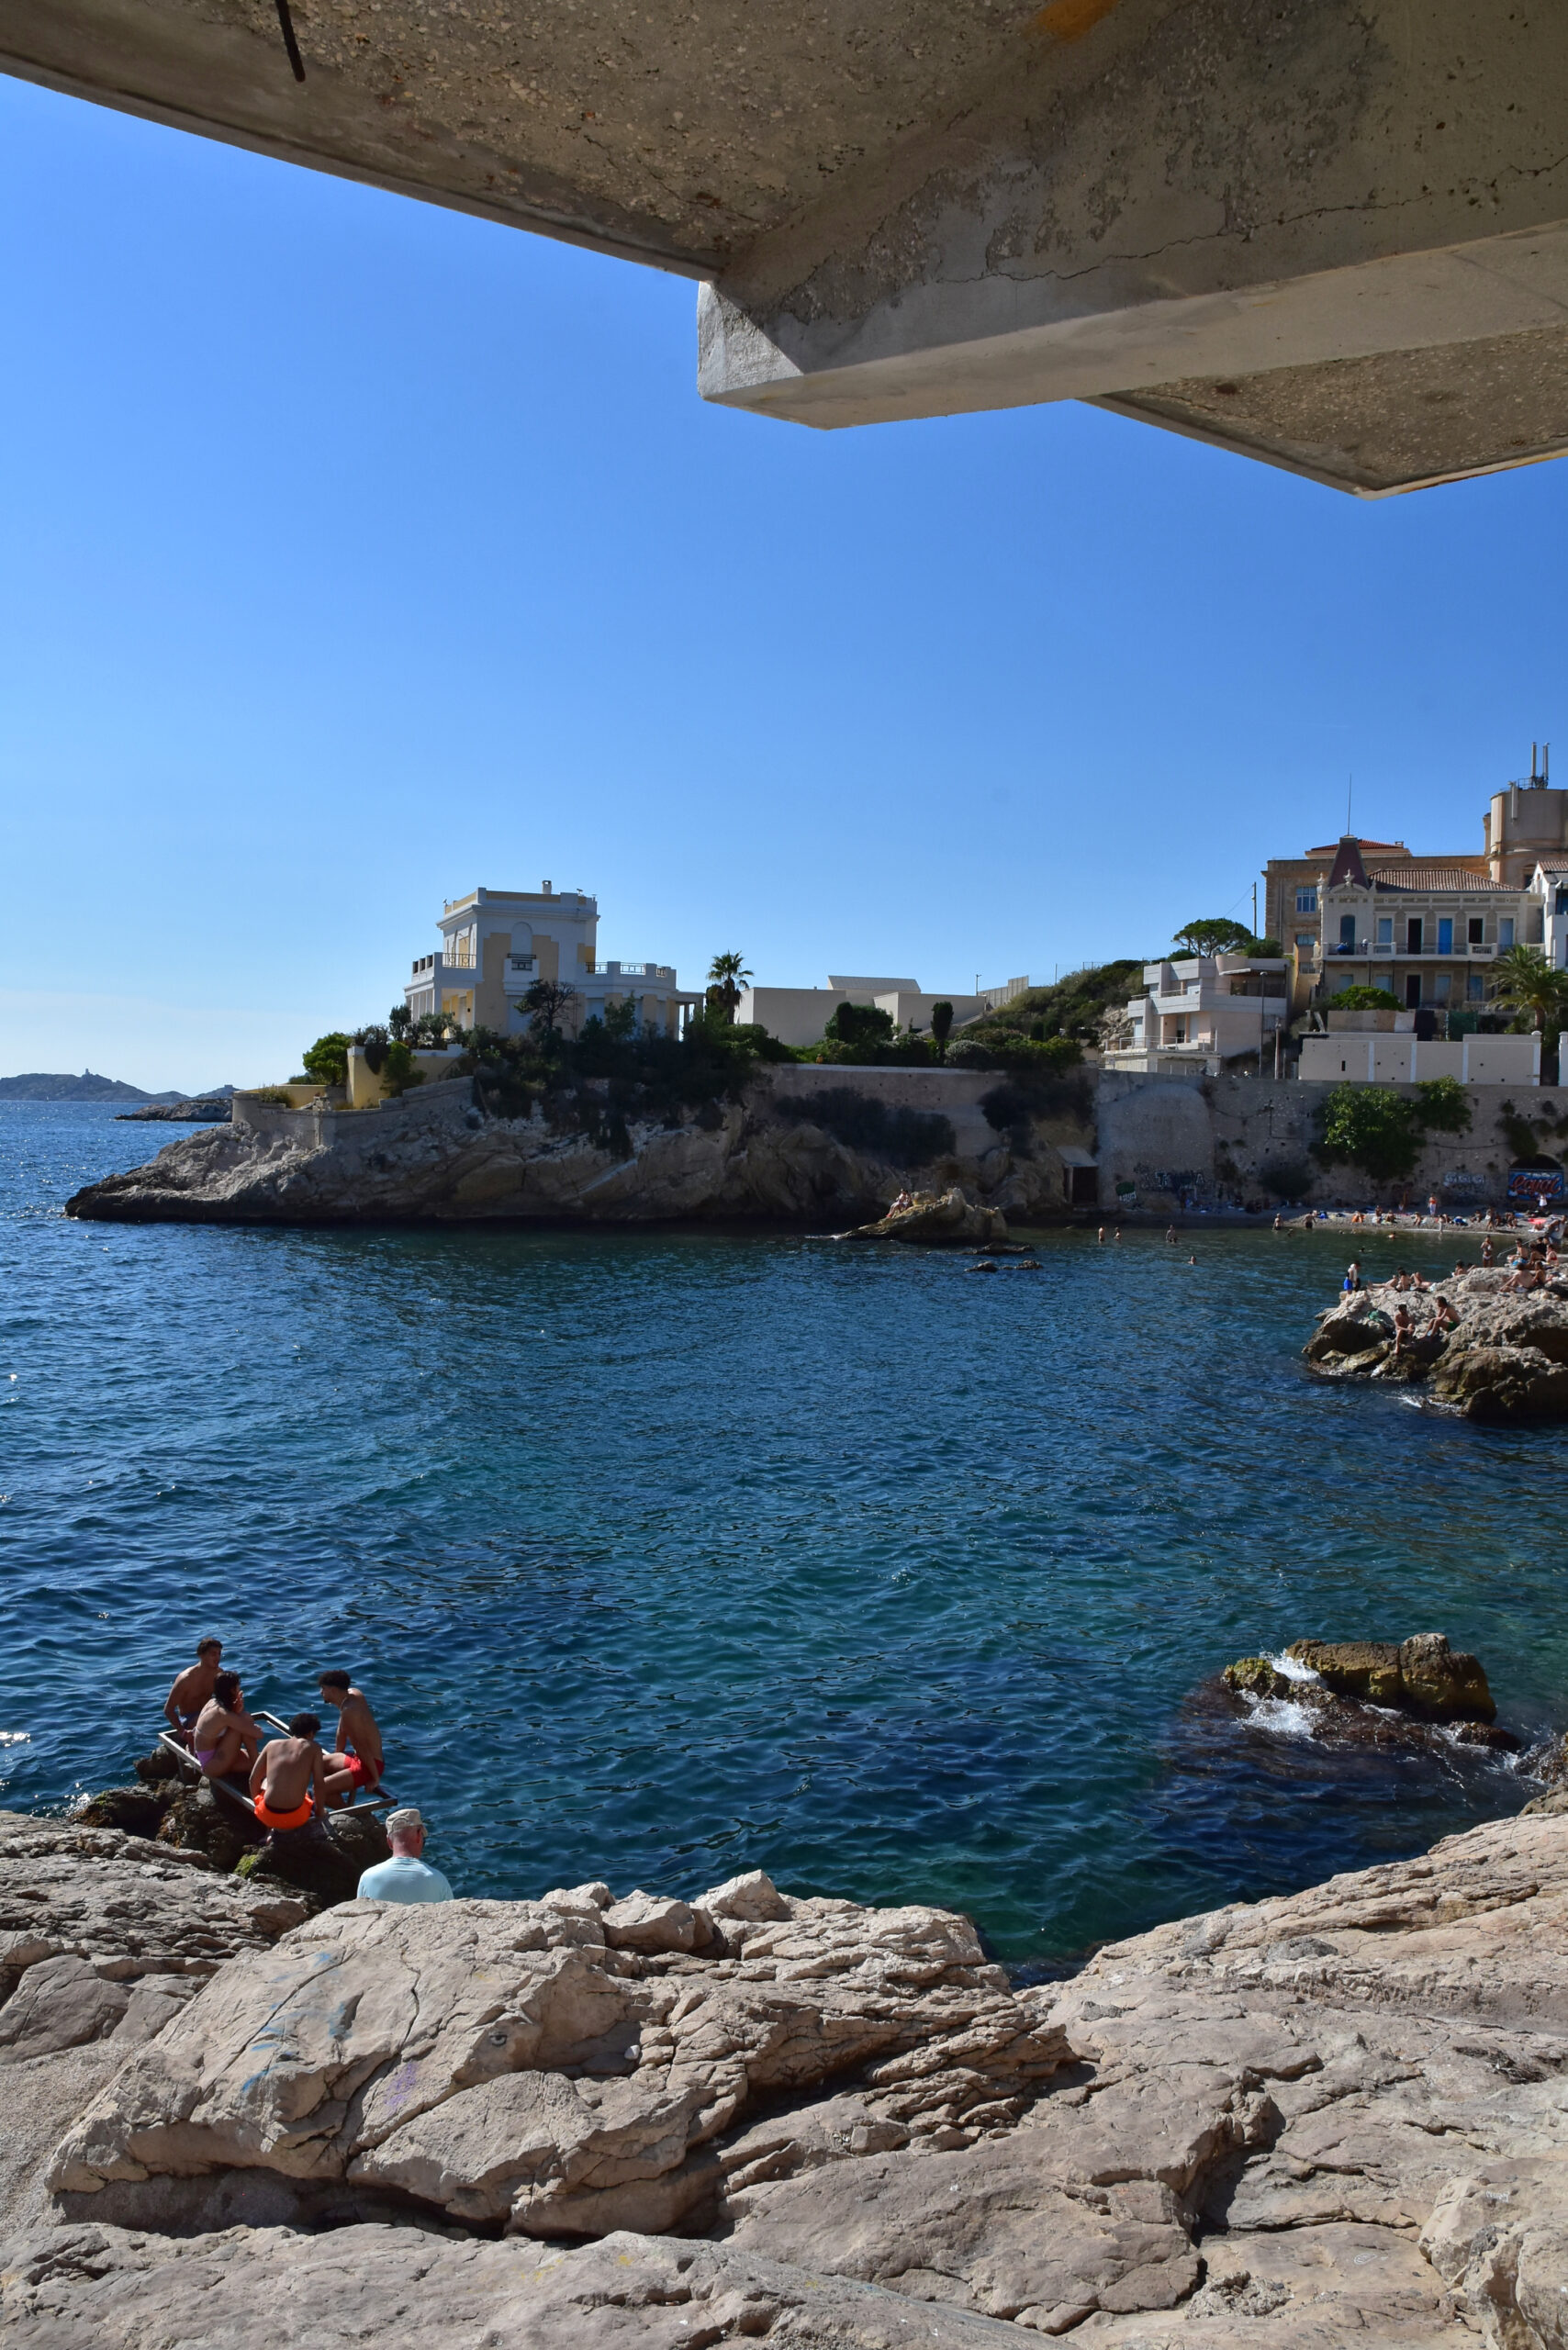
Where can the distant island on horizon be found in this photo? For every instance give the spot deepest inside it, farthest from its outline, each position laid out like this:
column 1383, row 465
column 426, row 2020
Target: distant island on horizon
column 39, row 1085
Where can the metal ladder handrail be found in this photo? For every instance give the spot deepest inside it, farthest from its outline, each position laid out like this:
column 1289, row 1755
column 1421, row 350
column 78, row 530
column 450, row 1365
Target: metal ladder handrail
column 381, row 1798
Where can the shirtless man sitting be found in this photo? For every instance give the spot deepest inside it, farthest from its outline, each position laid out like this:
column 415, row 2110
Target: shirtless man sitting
column 359, row 1761
column 225, row 1738
column 288, row 1778
column 193, row 1688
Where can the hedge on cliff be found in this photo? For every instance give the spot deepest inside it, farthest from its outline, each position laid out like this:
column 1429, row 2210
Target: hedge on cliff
column 906, row 1137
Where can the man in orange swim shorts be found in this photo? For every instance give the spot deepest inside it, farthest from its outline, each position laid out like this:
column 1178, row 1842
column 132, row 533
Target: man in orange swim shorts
column 288, row 1778
column 357, row 1762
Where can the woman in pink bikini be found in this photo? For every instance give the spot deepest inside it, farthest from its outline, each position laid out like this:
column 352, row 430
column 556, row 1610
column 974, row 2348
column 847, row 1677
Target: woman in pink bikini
column 224, row 1740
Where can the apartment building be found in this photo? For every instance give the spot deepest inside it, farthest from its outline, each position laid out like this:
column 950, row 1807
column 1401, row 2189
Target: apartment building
column 495, row 943
column 1524, row 824
column 1427, row 933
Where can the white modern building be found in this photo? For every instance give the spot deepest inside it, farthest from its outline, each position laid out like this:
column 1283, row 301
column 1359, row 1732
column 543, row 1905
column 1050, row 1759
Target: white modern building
column 495, row 943
column 800, row 1015
column 1206, row 1009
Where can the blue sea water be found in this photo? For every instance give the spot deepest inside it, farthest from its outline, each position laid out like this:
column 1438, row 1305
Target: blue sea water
column 667, row 1554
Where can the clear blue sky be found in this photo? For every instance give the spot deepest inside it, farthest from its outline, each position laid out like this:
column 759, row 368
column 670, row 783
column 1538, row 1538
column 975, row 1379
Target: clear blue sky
column 356, row 552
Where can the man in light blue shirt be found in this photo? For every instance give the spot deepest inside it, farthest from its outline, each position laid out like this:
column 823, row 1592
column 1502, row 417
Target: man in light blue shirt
column 405, row 1877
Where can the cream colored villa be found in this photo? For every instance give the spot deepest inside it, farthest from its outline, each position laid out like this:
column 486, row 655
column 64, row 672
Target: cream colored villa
column 495, row 943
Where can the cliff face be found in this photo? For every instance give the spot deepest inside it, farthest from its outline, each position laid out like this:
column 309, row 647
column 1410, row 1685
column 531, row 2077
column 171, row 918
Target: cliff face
column 815, row 1144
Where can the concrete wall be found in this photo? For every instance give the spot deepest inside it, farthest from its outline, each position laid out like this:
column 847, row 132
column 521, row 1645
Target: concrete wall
column 1402, row 1060
column 365, row 1087
column 1213, row 1138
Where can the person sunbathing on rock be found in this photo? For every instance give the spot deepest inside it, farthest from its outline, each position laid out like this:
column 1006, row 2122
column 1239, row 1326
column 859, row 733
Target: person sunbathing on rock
column 224, row 1740
column 1447, row 1318
column 1401, row 1279
column 288, row 1778
column 191, row 1689
column 1401, row 1330
column 359, row 1761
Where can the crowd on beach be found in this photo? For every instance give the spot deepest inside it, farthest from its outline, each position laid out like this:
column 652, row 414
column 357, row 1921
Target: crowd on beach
column 291, row 1782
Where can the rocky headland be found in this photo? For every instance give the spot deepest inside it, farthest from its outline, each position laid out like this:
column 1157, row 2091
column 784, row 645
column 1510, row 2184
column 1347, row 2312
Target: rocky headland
column 823, row 1147
column 1338, row 2116
column 207, row 1109
column 1503, row 1356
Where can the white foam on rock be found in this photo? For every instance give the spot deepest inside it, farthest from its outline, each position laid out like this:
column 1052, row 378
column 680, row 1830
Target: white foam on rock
column 1293, row 1668
column 1287, row 1716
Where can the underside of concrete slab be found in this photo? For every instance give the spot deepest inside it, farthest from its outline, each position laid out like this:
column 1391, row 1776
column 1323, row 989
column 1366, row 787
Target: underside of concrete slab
column 1330, row 234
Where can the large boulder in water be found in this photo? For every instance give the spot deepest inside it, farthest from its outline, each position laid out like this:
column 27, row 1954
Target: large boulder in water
column 1422, row 1675
column 937, row 1220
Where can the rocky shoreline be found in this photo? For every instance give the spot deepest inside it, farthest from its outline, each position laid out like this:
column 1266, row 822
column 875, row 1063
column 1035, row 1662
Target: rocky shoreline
column 822, row 1148
column 587, row 2120
column 1502, row 1356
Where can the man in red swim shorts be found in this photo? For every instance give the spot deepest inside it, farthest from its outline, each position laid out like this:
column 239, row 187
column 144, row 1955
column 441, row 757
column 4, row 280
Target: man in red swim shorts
column 288, row 1778
column 358, row 1762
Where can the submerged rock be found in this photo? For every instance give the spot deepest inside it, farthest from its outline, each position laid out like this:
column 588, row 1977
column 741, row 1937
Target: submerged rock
column 1504, row 1358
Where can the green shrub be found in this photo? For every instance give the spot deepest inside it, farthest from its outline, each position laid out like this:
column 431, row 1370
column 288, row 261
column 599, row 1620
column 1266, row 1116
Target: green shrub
column 1443, row 1105
column 1373, row 1127
column 860, row 1024
column 1358, row 999
column 327, row 1061
column 1072, row 1006
column 398, row 1070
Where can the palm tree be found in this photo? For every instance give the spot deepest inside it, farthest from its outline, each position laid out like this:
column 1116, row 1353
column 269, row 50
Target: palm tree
column 1527, row 983
column 727, row 973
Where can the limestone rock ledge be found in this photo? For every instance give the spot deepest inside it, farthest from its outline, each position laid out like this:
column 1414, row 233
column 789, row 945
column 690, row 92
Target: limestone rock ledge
column 823, row 1156
column 1333, row 2117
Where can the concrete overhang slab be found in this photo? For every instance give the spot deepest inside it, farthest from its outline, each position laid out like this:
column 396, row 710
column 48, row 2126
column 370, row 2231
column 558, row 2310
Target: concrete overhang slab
column 1329, row 234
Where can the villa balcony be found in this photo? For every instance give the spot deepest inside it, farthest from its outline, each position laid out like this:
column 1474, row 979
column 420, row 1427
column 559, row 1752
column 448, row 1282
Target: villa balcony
column 1387, row 953
column 426, row 966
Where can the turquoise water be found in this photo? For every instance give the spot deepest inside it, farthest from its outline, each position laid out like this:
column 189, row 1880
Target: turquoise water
column 663, row 1555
